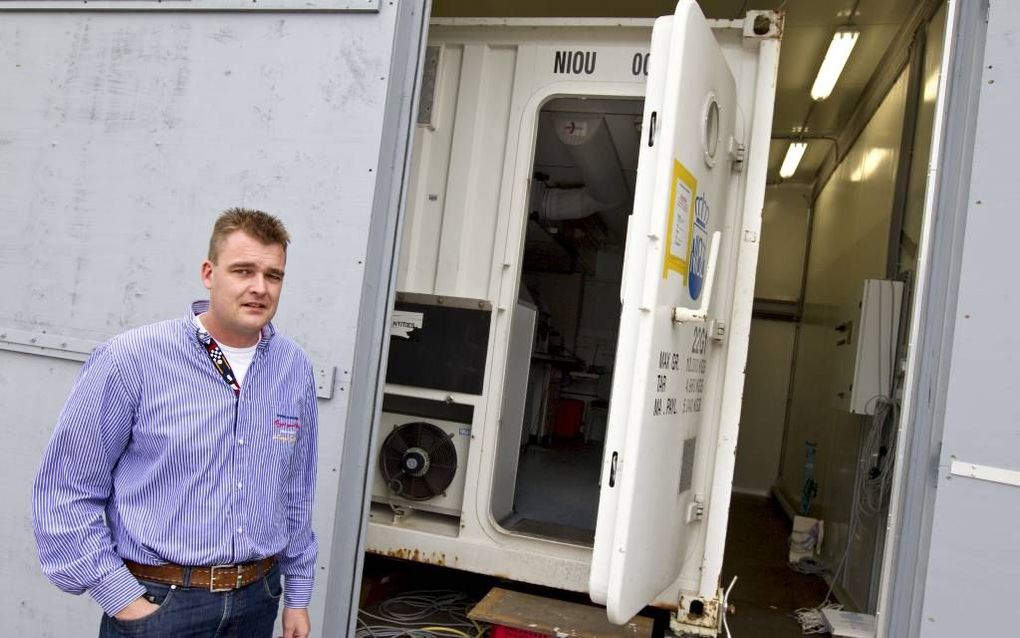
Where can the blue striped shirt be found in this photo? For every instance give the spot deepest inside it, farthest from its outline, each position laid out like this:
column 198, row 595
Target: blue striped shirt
column 155, row 460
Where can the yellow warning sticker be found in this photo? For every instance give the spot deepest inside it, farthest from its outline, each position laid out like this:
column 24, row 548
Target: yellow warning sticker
column 679, row 221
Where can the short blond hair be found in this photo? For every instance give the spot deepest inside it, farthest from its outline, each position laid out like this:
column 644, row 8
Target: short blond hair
column 259, row 225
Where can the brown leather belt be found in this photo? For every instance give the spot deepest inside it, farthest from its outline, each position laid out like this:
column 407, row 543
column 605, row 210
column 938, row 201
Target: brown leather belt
column 216, row 578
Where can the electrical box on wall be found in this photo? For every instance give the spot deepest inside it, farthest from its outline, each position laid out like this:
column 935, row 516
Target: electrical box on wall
column 871, row 337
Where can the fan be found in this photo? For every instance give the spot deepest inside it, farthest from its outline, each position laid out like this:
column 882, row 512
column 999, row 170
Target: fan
column 418, row 461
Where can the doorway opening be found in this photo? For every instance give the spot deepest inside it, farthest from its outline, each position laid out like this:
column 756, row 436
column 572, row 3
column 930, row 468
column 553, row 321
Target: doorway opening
column 565, row 326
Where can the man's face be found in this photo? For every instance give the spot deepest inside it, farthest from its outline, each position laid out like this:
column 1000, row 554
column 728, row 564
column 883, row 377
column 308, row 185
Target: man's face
column 244, row 288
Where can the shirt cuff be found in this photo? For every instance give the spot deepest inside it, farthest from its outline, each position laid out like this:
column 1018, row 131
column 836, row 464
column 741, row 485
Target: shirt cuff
column 297, row 591
column 117, row 590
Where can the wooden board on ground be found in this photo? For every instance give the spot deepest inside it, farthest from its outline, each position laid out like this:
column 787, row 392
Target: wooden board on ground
column 553, row 617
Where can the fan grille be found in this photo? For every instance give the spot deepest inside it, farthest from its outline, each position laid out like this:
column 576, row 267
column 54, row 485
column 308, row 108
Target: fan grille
column 418, row 461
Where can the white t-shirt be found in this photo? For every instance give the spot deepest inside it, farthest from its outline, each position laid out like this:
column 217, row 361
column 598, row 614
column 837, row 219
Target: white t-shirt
column 238, row 358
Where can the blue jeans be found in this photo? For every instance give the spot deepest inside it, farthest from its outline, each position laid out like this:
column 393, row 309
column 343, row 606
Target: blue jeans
column 192, row 612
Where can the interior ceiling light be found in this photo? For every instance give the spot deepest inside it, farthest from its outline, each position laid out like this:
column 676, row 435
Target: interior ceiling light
column 835, row 59
column 793, row 155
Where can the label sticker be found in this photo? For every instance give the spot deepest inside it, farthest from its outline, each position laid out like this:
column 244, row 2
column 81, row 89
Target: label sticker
column 574, row 129
column 698, row 259
column 404, row 322
column 680, row 222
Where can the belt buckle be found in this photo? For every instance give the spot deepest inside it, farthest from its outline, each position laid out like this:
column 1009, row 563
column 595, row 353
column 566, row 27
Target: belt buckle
column 212, row 578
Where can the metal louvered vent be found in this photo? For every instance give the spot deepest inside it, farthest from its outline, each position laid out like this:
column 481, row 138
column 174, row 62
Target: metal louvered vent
column 418, row 461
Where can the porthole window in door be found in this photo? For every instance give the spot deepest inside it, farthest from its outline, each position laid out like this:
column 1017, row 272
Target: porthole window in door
column 710, row 139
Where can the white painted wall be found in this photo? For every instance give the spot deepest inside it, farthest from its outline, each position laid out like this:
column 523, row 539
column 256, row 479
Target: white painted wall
column 783, row 241
column 849, row 242
column 454, row 198
column 770, row 352
column 919, row 168
column 760, row 442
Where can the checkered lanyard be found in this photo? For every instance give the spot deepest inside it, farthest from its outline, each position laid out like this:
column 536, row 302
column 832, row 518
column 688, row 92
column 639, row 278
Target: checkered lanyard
column 222, row 365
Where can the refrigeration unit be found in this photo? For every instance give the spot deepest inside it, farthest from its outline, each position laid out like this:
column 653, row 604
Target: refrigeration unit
column 420, row 455
column 581, row 235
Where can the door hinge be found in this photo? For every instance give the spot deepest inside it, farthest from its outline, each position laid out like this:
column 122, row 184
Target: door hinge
column 717, row 330
column 696, row 509
column 738, row 153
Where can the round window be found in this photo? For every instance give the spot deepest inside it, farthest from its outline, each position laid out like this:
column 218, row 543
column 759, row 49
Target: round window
column 711, row 140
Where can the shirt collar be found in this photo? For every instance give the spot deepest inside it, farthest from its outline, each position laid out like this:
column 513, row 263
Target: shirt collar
column 203, row 337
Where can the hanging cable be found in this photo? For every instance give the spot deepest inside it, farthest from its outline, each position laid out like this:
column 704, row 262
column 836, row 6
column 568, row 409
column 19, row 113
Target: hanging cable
column 420, row 614
column 872, row 482
column 726, row 606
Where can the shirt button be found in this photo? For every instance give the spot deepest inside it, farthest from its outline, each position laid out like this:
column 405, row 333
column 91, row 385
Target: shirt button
column 240, row 530
column 240, row 441
column 240, row 485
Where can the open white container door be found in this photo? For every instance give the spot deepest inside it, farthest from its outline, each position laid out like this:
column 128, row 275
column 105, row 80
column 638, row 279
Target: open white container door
column 667, row 382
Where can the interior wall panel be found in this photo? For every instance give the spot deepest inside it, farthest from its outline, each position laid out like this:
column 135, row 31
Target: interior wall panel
column 784, row 236
column 759, row 444
column 849, row 242
column 784, row 232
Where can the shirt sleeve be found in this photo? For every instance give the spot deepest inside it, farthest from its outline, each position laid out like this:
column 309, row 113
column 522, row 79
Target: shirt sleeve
column 75, row 481
column 297, row 561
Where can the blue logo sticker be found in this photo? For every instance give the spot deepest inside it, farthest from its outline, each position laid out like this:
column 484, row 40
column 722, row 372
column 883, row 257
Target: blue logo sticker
column 699, row 248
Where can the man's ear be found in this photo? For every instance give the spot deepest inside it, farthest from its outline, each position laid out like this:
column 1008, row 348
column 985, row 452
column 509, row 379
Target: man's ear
column 206, row 272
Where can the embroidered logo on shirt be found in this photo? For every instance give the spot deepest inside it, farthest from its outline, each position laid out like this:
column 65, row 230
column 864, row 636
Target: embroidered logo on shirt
column 286, row 428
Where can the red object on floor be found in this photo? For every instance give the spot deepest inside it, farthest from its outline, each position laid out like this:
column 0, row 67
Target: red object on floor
column 502, row 631
column 569, row 415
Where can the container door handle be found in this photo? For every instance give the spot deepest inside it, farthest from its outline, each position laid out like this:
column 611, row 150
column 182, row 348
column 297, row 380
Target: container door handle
column 700, row 314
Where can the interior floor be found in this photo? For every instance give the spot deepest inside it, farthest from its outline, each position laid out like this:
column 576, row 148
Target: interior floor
column 767, row 591
column 558, row 491
column 584, row 172
column 553, row 502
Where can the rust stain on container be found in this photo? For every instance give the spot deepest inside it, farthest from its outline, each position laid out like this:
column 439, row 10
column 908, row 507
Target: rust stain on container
column 434, row 558
column 708, row 616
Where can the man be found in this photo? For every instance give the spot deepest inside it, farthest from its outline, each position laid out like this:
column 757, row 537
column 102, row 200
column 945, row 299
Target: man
column 177, row 487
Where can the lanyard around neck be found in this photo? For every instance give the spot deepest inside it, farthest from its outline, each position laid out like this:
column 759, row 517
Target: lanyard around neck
column 222, row 366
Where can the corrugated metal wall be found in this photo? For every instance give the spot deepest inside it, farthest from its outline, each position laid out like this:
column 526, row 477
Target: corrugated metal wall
column 454, row 196
column 126, row 135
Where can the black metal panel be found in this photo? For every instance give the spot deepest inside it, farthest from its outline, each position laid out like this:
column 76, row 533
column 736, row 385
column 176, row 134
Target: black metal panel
column 441, row 410
column 448, row 352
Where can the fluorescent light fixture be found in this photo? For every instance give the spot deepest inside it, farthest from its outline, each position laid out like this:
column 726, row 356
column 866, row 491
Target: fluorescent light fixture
column 793, row 155
column 835, row 59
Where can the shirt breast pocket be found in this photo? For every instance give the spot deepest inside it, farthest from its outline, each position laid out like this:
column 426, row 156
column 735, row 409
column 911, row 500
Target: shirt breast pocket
column 286, row 433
